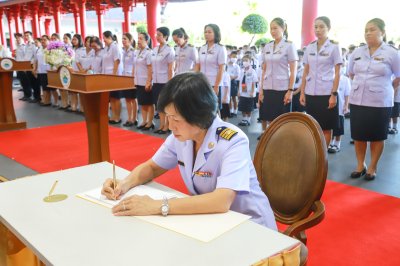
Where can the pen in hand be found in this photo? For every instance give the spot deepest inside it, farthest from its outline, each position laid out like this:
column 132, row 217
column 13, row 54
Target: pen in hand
column 114, row 178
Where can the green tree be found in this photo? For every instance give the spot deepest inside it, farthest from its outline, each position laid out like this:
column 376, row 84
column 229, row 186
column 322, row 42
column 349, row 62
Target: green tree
column 141, row 28
column 261, row 40
column 254, row 24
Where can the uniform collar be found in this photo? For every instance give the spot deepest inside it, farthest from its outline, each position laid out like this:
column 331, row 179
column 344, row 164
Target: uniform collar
column 208, row 145
column 324, row 46
column 378, row 51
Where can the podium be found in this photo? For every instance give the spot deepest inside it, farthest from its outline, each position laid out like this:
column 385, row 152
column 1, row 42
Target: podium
column 8, row 120
column 95, row 90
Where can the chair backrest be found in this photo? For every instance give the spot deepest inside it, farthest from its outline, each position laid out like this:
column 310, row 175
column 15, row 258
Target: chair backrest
column 291, row 165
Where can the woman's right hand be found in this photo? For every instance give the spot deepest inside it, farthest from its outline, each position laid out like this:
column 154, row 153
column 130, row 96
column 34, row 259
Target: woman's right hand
column 147, row 87
column 113, row 194
column 303, row 99
column 261, row 97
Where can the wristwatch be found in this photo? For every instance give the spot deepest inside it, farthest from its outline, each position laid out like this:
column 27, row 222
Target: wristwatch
column 165, row 207
column 334, row 93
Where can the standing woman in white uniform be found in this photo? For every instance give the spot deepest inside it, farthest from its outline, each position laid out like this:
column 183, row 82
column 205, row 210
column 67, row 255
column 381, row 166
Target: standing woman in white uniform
column 143, row 72
column 80, row 51
column 372, row 67
column 279, row 65
column 111, row 64
column 128, row 57
column 212, row 58
column 320, row 81
column 162, row 59
column 186, row 55
column 98, row 50
column 84, row 62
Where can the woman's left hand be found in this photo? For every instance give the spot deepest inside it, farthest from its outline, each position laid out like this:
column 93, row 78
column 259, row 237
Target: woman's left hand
column 332, row 101
column 137, row 205
column 288, row 97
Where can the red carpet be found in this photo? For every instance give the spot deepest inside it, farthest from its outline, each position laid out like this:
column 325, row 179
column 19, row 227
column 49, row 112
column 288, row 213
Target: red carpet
column 359, row 228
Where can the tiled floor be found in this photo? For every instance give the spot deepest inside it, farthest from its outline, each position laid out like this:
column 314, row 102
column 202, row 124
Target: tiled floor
column 340, row 164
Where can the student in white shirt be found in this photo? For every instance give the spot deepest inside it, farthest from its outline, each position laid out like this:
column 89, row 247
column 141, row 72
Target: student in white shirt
column 225, row 96
column 247, row 90
column 234, row 71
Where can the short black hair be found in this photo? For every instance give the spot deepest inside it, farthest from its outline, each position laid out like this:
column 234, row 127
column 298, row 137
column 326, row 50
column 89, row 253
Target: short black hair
column 164, row 31
column 17, row 35
column 216, row 30
column 79, row 38
column 193, row 98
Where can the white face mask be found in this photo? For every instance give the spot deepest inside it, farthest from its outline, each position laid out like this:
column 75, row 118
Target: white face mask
column 246, row 63
column 233, row 60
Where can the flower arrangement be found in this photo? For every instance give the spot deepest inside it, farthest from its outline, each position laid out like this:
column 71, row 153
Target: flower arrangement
column 58, row 54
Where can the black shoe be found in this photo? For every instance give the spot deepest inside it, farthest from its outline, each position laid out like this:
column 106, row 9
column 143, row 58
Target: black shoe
column 162, row 132
column 157, row 131
column 33, row 101
column 148, row 128
column 45, row 104
column 351, row 141
column 135, row 123
column 356, row 174
column 141, row 126
column 369, row 177
column 113, row 122
column 24, row 99
column 128, row 124
column 157, row 116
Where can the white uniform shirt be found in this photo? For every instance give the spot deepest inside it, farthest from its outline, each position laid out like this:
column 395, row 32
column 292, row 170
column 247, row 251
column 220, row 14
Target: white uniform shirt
column 42, row 66
column 30, row 51
column 77, row 53
column 226, row 87
column 397, row 94
column 343, row 91
column 234, row 70
column 97, row 61
column 160, row 58
column 111, row 54
column 299, row 75
column 250, row 79
column 128, row 57
column 141, row 62
column 85, row 58
column 322, row 67
column 372, row 82
column 220, row 163
column 210, row 60
column 20, row 52
column 277, row 72
column 186, row 58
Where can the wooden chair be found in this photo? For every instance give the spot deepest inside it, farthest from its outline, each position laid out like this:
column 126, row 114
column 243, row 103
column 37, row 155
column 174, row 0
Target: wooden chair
column 291, row 165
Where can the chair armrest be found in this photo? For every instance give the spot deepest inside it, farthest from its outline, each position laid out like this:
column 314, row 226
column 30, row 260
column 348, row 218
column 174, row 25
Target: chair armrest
column 315, row 218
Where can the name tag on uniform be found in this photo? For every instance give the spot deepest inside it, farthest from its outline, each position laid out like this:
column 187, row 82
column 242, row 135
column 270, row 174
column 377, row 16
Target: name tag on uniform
column 312, row 53
column 181, row 163
column 358, row 58
column 323, row 54
column 203, row 53
column 380, row 59
column 203, row 174
column 210, row 52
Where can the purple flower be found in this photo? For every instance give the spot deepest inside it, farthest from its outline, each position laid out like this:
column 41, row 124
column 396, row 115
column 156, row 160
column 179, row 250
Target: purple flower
column 55, row 45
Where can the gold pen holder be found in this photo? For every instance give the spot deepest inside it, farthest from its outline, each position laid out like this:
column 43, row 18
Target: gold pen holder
column 55, row 198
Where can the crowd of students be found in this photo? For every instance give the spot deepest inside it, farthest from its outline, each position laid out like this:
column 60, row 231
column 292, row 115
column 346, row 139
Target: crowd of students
column 322, row 79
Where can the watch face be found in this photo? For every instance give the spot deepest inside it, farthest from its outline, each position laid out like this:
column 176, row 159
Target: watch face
column 164, row 210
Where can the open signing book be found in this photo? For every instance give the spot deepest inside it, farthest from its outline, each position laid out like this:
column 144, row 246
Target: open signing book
column 203, row 227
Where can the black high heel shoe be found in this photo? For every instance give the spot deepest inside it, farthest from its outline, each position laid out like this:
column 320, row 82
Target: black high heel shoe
column 141, row 126
column 148, row 128
column 157, row 131
column 356, row 174
column 162, row 132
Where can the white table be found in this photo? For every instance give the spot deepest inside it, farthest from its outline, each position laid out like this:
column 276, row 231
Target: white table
column 77, row 232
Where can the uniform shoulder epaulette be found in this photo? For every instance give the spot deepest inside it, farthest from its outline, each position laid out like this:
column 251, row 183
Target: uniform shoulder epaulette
column 314, row 41
column 288, row 41
column 226, row 133
column 394, row 47
column 271, row 41
column 190, row 45
column 334, row 42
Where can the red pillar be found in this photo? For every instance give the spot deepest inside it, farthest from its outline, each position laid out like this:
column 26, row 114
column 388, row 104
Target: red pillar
column 10, row 30
column 15, row 10
column 82, row 16
column 126, row 8
column 2, row 33
column 76, row 22
column 47, row 22
column 35, row 19
column 152, row 18
column 57, row 15
column 100, row 24
column 310, row 13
